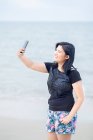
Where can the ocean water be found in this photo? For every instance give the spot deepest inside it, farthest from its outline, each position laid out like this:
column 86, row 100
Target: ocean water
column 18, row 81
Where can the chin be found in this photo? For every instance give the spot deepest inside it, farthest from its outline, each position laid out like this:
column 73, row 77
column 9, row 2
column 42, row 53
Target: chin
column 55, row 61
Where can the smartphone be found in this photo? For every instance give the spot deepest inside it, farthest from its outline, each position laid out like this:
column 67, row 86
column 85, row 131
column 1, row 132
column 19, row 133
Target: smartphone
column 25, row 44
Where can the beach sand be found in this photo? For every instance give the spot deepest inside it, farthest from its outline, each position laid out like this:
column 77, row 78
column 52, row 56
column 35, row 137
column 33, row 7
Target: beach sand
column 18, row 123
column 12, row 129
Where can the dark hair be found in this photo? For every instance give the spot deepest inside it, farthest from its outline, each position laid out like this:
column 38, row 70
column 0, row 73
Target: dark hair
column 69, row 49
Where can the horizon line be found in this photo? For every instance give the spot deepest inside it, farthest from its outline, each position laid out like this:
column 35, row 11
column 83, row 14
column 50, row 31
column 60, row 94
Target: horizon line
column 46, row 20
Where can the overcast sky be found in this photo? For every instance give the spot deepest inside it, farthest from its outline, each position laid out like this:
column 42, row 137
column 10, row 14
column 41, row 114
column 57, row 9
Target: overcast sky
column 46, row 10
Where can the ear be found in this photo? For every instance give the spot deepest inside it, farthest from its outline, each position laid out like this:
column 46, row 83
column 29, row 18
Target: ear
column 67, row 56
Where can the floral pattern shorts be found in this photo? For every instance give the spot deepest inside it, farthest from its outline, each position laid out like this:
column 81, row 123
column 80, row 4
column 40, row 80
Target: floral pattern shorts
column 54, row 123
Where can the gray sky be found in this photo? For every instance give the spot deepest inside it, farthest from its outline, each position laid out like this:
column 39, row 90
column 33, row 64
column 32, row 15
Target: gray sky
column 46, row 10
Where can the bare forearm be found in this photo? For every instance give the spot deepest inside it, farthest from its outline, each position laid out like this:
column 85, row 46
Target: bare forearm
column 37, row 66
column 76, row 107
column 26, row 61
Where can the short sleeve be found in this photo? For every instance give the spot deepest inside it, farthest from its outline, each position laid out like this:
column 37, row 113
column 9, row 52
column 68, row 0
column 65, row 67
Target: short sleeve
column 48, row 65
column 74, row 76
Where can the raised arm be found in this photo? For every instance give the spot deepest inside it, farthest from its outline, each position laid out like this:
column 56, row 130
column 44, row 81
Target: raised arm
column 30, row 64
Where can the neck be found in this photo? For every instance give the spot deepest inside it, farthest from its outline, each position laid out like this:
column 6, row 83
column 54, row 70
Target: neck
column 60, row 67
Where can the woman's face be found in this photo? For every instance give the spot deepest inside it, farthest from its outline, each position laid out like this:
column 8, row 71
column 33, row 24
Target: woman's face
column 59, row 55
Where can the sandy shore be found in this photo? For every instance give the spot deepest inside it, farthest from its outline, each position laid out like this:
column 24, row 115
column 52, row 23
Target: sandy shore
column 17, row 121
column 13, row 129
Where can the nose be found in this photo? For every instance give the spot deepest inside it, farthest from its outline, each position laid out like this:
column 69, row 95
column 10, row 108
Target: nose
column 56, row 53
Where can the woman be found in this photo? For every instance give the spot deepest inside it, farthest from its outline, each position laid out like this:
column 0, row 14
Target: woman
column 63, row 79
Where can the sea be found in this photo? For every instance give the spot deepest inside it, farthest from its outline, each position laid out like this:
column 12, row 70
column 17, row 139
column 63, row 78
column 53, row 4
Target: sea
column 19, row 82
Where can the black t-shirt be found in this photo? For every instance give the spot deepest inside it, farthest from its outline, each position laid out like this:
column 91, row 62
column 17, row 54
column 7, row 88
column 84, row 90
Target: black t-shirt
column 60, row 87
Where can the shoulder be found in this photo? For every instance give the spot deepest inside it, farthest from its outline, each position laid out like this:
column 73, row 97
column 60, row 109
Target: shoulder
column 73, row 71
column 49, row 65
column 74, row 75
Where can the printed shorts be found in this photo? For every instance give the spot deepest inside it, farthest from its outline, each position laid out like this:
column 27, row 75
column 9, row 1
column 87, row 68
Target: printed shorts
column 54, row 123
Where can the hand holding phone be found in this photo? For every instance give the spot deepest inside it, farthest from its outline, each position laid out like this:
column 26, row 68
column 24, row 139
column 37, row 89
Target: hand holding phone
column 24, row 46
